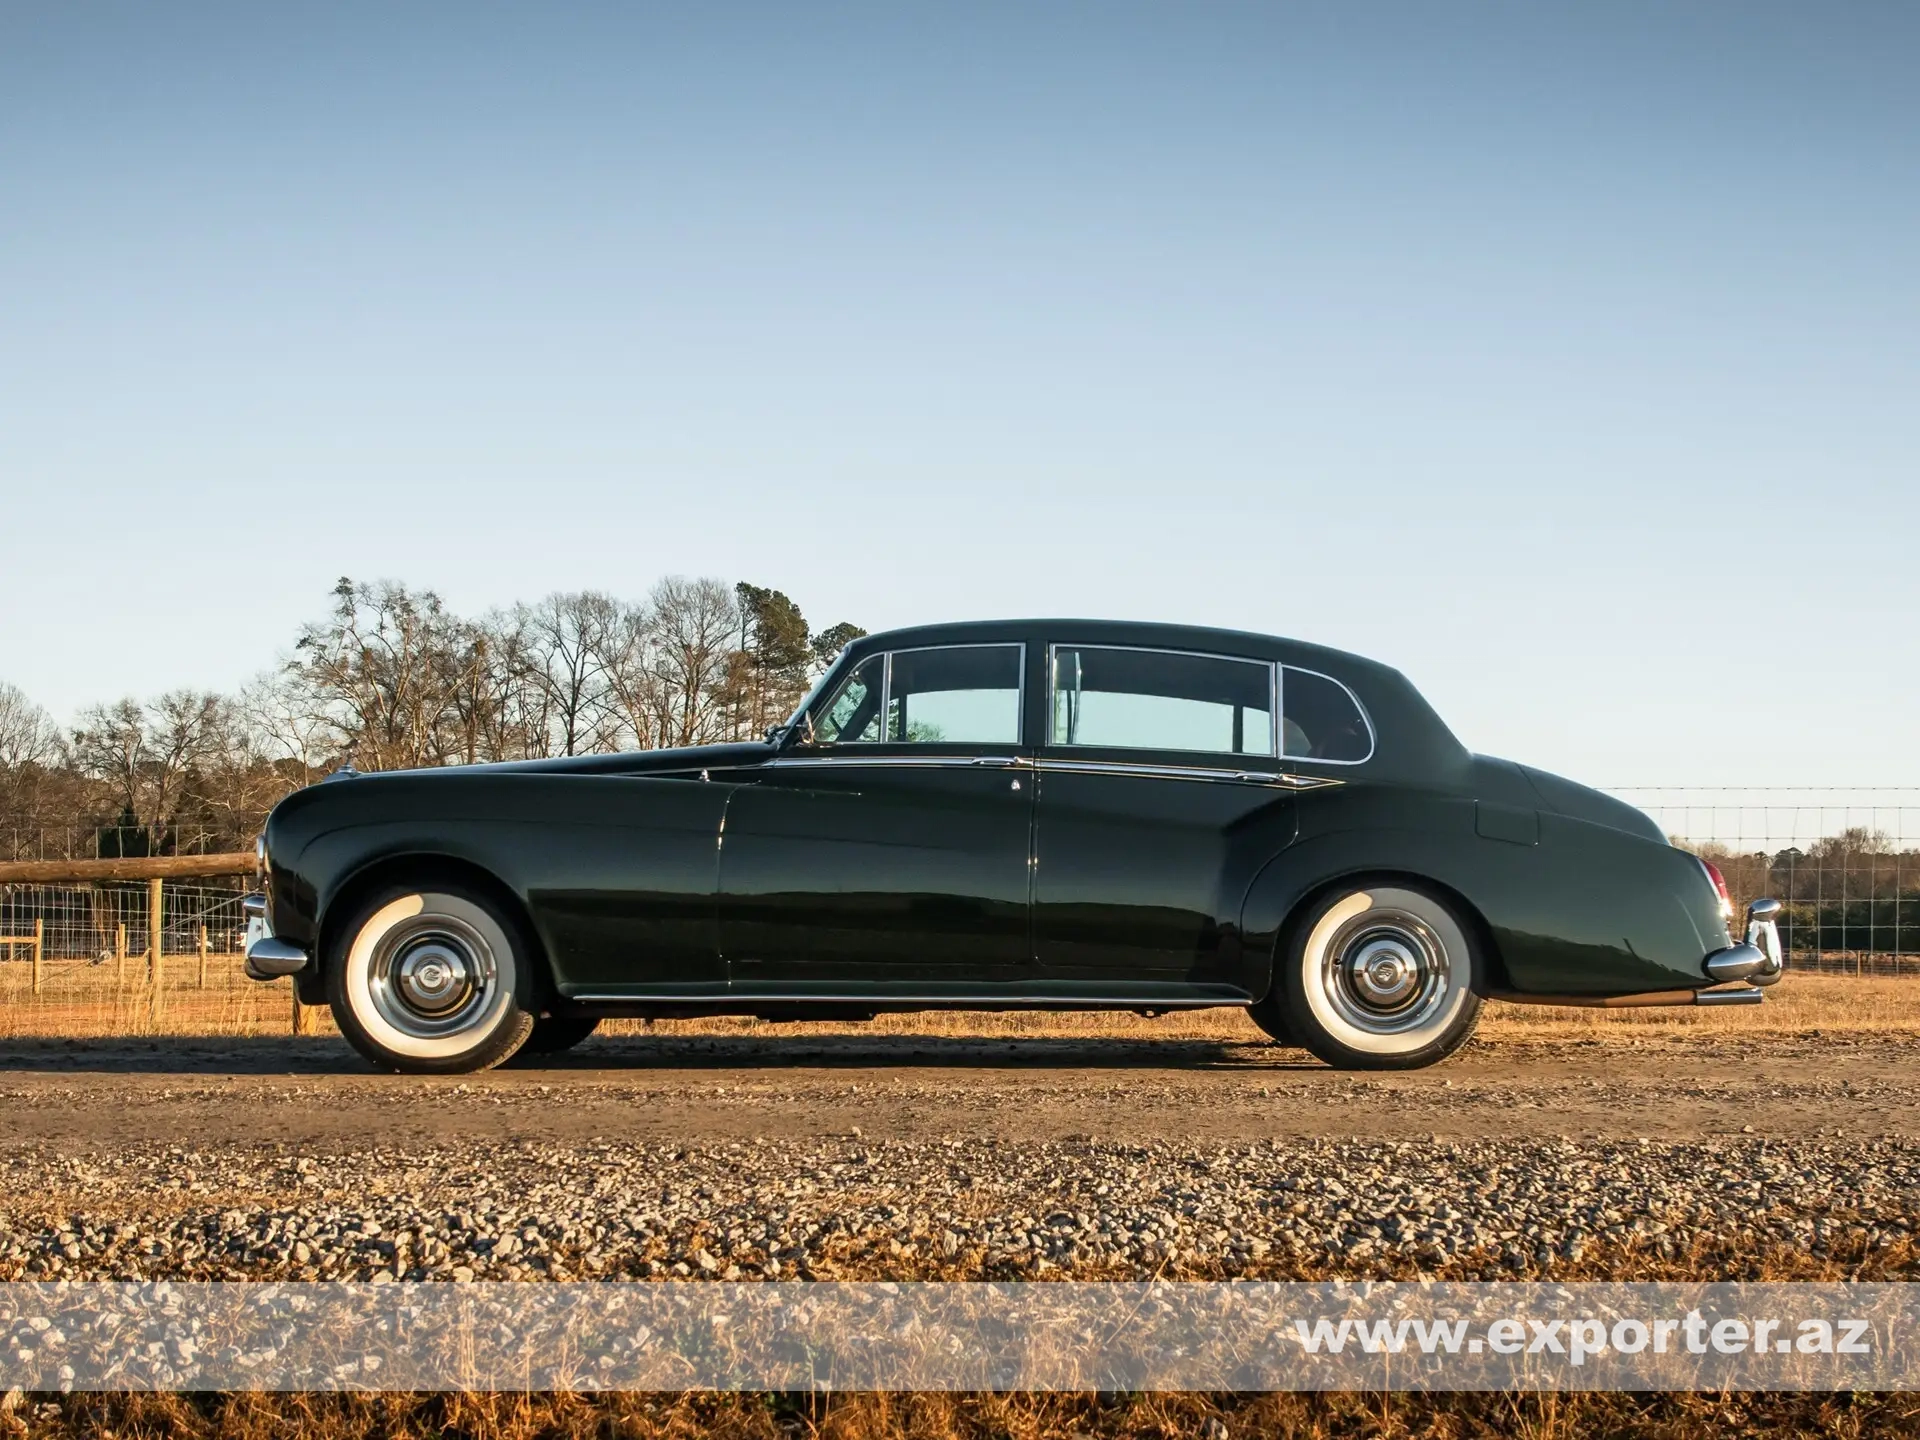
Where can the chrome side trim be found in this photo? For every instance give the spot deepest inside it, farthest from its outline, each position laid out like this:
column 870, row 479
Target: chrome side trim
column 1061, row 1002
column 269, row 958
column 1280, row 780
column 905, row 762
column 1208, row 774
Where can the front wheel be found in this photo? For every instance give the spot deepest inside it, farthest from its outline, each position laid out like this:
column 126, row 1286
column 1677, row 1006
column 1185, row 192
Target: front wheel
column 554, row 1035
column 1380, row 978
column 432, row 980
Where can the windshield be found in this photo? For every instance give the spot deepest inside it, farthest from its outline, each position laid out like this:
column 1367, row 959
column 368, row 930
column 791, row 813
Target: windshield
column 819, row 687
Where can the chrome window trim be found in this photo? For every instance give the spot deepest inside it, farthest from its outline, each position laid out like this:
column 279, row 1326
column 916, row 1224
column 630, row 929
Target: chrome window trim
column 1273, row 712
column 826, row 698
column 886, row 694
column 1373, row 735
column 1273, row 690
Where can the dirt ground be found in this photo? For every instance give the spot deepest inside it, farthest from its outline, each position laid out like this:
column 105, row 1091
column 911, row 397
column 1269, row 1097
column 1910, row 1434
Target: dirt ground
column 93, row 1095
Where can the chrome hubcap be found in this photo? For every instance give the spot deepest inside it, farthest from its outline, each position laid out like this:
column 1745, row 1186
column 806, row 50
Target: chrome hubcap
column 432, row 976
column 1386, row 972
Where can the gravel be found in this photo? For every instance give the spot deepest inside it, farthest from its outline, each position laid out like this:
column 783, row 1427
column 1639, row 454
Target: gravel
column 848, row 1207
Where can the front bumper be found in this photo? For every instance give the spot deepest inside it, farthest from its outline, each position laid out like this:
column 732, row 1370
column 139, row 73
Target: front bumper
column 268, row 957
column 1759, row 959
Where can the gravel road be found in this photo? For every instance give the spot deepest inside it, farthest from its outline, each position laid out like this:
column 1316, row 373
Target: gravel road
column 900, row 1157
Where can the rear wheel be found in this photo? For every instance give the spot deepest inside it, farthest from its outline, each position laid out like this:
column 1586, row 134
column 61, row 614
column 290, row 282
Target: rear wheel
column 432, row 980
column 1381, row 978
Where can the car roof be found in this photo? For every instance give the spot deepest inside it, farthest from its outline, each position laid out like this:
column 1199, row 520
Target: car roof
column 1065, row 630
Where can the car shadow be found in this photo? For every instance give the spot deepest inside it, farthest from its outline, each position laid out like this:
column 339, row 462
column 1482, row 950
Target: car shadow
column 288, row 1055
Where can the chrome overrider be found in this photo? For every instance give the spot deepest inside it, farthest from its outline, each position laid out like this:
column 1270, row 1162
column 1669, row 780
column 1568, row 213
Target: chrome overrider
column 1757, row 960
column 268, row 958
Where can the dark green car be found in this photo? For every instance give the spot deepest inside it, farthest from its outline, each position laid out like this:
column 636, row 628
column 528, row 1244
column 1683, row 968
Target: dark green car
column 1040, row 814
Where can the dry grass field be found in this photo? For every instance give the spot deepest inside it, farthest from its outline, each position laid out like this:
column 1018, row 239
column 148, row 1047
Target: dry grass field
column 84, row 1001
column 973, row 1417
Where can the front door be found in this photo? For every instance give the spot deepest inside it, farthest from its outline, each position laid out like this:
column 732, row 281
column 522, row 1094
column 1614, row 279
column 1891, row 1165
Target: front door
column 1158, row 788
column 889, row 856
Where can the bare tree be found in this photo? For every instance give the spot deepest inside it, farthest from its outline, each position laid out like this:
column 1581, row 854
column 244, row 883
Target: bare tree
column 385, row 669
column 35, row 785
column 691, row 640
column 148, row 757
column 28, row 735
column 565, row 644
column 289, row 725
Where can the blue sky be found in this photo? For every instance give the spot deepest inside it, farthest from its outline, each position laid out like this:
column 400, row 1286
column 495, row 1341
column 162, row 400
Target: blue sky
column 1567, row 357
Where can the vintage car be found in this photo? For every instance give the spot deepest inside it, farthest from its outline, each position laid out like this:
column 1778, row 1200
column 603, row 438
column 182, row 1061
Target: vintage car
column 1042, row 814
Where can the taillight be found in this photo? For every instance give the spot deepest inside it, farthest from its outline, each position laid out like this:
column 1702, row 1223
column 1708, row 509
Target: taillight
column 1719, row 883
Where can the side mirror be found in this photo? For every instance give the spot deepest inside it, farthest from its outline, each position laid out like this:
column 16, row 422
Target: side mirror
column 795, row 732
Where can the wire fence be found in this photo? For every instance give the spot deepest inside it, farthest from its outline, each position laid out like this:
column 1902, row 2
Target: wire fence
column 1844, row 863
column 109, row 922
column 82, row 959
column 28, row 839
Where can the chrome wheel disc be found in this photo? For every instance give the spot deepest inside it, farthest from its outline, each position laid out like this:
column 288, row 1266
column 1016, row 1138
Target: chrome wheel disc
column 1386, row 972
column 432, row 976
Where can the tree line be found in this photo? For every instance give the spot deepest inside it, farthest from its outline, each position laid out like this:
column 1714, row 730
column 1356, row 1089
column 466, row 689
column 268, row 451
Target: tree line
column 392, row 679
column 1857, row 890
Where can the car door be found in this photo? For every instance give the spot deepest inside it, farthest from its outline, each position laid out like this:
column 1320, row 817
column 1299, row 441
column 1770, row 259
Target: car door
column 889, row 854
column 1160, row 794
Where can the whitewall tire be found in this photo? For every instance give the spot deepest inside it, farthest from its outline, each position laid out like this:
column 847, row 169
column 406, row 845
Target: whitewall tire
column 432, row 980
column 1381, row 977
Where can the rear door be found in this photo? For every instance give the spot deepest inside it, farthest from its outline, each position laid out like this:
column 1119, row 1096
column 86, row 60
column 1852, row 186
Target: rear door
column 1158, row 784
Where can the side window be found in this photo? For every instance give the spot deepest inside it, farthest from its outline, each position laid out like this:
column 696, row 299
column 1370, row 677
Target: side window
column 1160, row 700
column 957, row 694
column 1320, row 720
column 853, row 714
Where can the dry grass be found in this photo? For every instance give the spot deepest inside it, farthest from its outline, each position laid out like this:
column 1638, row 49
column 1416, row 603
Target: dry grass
column 81, row 1001
column 971, row 1417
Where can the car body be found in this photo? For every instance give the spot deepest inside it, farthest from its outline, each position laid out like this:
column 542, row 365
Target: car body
column 1030, row 814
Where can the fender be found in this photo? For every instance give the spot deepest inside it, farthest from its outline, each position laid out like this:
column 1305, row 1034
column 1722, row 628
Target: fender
column 1585, row 911
column 618, row 875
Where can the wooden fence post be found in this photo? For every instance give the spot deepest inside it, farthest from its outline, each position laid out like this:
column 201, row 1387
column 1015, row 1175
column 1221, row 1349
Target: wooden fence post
column 120, row 954
column 203, row 957
column 39, row 948
column 156, row 943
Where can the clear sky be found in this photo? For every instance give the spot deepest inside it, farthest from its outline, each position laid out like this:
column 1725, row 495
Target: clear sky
column 1566, row 356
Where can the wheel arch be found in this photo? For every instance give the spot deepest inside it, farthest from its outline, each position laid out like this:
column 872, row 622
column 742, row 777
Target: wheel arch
column 420, row 868
column 1301, row 906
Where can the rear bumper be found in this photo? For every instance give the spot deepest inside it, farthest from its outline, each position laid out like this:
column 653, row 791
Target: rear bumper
column 268, row 956
column 1759, row 959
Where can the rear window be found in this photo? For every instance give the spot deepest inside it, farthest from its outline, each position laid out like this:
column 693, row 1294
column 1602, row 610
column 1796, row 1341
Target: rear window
column 1321, row 720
